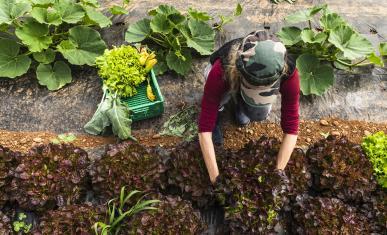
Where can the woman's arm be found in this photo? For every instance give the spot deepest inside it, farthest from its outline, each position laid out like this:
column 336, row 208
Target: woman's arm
column 214, row 89
column 286, row 149
column 207, row 147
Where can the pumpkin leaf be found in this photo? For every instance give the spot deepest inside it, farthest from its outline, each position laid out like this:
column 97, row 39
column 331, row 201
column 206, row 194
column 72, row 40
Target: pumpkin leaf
column 331, row 21
column 11, row 63
column 373, row 58
column 69, row 11
column 45, row 57
column 179, row 61
column 289, row 35
column 11, row 10
column 315, row 78
column 199, row 15
column 304, row 15
column 46, row 16
column 83, row 46
column 309, row 36
column 200, row 37
column 97, row 17
column 34, row 35
column 55, row 77
column 161, row 24
column 383, row 48
column 117, row 10
column 352, row 44
column 138, row 31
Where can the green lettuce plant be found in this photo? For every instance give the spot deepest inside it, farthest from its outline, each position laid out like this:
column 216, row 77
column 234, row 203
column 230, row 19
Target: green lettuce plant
column 375, row 146
column 38, row 33
column 332, row 43
column 176, row 36
column 20, row 225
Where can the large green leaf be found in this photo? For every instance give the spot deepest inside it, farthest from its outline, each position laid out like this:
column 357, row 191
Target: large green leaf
column 117, row 10
column 199, row 15
column 11, row 63
column 46, row 16
column 45, row 57
column 161, row 24
column 350, row 42
column 289, row 35
column 315, row 78
column 69, row 11
column 42, row 2
column 201, row 37
column 11, row 10
column 138, row 31
column 119, row 116
column 164, row 10
column 83, row 46
column 180, row 62
column 373, row 58
column 309, row 36
column 97, row 17
column 93, row 3
column 331, row 21
column 34, row 35
column 54, row 77
column 100, row 120
column 383, row 48
column 304, row 15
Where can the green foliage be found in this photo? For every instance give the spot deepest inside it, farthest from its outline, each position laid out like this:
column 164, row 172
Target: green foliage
column 315, row 77
column 42, row 28
column 64, row 138
column 332, row 43
column 375, row 147
column 182, row 124
column 20, row 225
column 111, row 111
column 176, row 36
column 54, row 77
column 120, row 211
column 121, row 70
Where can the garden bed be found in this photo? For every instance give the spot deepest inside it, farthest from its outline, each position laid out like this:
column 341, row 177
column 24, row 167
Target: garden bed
column 312, row 194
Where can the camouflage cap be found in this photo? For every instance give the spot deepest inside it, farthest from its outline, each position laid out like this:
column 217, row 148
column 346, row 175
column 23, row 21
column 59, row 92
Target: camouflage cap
column 260, row 62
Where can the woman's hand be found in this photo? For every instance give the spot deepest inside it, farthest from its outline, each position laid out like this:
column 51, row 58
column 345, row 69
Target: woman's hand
column 207, row 146
column 288, row 143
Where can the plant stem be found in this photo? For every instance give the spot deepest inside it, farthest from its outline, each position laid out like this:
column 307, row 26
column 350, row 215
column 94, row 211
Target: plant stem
column 310, row 24
column 158, row 41
column 358, row 63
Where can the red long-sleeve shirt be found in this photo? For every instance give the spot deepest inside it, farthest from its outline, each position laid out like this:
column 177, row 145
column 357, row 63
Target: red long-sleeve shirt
column 216, row 87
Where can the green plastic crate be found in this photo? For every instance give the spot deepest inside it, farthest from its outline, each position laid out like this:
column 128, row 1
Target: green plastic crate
column 141, row 107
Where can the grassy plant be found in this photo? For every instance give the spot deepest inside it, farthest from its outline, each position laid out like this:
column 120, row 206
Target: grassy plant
column 118, row 212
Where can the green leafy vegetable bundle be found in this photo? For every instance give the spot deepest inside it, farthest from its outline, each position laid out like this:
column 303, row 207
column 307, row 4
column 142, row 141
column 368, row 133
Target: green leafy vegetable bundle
column 39, row 29
column 329, row 42
column 375, row 147
column 177, row 36
column 121, row 70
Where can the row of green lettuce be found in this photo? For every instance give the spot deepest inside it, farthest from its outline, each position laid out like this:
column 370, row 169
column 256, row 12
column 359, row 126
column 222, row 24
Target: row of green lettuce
column 375, row 146
column 46, row 35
